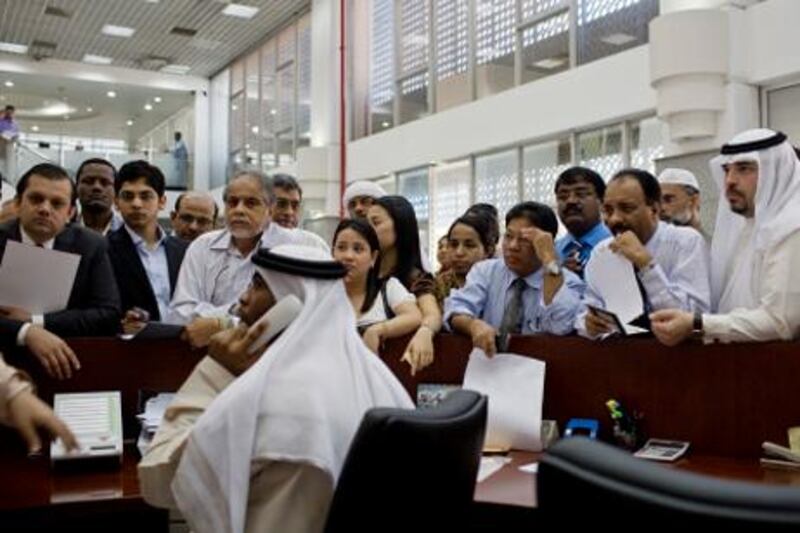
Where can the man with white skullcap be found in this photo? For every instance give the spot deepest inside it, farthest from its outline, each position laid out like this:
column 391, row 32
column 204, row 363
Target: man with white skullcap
column 755, row 251
column 359, row 196
column 257, row 443
column 680, row 198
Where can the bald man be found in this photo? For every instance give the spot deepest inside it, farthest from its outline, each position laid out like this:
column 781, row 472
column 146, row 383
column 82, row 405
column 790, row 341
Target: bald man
column 195, row 213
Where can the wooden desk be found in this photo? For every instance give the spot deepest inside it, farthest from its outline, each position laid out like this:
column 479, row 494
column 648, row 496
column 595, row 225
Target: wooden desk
column 725, row 399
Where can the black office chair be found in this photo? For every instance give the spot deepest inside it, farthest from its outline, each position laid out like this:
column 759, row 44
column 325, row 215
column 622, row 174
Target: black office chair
column 585, row 481
column 411, row 470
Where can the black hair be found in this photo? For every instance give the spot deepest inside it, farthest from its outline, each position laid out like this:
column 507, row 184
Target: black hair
column 490, row 211
column 648, row 183
column 287, row 182
column 374, row 283
column 48, row 171
column 181, row 196
column 136, row 170
column 537, row 214
column 483, row 226
column 95, row 161
column 406, row 233
column 573, row 175
column 10, row 108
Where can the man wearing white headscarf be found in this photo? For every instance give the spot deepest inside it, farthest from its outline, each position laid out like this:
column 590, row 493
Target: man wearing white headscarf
column 359, row 196
column 680, row 198
column 755, row 251
column 263, row 451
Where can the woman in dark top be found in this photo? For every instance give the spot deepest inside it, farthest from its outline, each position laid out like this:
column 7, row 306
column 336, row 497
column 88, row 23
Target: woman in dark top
column 395, row 223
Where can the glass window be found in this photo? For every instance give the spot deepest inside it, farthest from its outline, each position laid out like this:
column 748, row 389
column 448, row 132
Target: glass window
column 452, row 53
column 413, row 185
column 237, row 122
column 542, row 163
column 607, row 27
column 601, row 150
column 389, row 184
column 252, row 111
column 382, row 66
column 284, row 127
column 495, row 42
column 451, row 197
column 304, row 81
column 646, row 143
column 269, row 105
column 237, row 77
column 496, row 179
column 414, row 29
column 545, row 47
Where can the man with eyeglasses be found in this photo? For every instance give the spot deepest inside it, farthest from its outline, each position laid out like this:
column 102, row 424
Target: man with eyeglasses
column 217, row 266
column 195, row 213
column 145, row 259
column 579, row 196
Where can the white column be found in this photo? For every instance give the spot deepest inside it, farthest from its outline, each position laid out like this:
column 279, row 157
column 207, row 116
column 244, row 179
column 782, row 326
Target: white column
column 202, row 139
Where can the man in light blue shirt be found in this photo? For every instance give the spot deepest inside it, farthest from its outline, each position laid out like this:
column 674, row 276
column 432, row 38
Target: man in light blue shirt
column 579, row 196
column 145, row 259
column 671, row 263
column 525, row 292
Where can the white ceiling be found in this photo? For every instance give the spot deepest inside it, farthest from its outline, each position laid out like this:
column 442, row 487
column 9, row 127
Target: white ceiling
column 108, row 116
column 219, row 39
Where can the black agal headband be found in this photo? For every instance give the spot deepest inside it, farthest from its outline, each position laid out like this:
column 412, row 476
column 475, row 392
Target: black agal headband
column 307, row 268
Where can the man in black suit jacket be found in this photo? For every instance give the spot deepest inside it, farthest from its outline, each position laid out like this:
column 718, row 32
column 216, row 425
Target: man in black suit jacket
column 145, row 259
column 46, row 202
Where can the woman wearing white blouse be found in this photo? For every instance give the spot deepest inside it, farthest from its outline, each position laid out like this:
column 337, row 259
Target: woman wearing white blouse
column 383, row 311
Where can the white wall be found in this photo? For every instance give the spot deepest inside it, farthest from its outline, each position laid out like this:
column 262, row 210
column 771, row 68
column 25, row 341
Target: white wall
column 604, row 91
column 772, row 28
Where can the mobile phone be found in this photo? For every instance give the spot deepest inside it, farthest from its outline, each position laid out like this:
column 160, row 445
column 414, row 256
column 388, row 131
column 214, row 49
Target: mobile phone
column 278, row 317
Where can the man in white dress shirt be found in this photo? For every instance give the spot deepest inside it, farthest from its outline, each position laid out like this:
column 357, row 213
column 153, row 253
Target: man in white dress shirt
column 755, row 251
column 217, row 266
column 671, row 263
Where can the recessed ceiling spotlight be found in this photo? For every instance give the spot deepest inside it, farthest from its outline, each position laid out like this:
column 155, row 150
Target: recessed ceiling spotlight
column 117, row 31
column 148, row 107
column 34, row 128
column 129, row 122
column 240, row 10
column 157, row 99
column 111, row 94
column 9, row 83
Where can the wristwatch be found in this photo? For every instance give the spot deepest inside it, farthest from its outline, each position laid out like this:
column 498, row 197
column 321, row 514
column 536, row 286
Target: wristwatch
column 697, row 325
column 552, row 268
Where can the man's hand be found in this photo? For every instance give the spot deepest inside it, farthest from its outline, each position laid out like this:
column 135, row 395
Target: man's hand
column 597, row 325
column 419, row 352
column 56, row 357
column 15, row 313
column 132, row 322
column 199, row 331
column 483, row 336
column 671, row 326
column 628, row 245
column 373, row 337
column 231, row 347
column 27, row 414
column 542, row 243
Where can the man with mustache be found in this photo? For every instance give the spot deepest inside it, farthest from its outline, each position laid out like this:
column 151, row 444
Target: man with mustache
column 680, row 198
column 755, row 251
column 579, row 195
column 671, row 263
column 217, row 268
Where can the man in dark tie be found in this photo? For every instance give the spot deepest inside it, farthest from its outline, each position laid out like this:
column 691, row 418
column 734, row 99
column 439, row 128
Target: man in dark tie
column 46, row 201
column 525, row 292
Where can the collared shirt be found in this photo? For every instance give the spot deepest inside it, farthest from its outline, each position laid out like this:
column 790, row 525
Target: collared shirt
column 568, row 244
column 677, row 278
column 154, row 261
column 214, row 272
column 114, row 224
column 488, row 290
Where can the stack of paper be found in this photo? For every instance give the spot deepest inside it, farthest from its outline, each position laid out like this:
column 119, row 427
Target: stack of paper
column 151, row 418
column 781, row 456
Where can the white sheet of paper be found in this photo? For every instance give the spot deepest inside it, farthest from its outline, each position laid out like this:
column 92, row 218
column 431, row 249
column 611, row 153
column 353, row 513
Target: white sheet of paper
column 613, row 277
column 515, row 387
column 490, row 465
column 530, row 468
column 36, row 279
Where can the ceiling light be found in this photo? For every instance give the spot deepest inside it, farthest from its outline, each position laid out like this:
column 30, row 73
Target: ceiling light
column 234, row 107
column 273, row 111
column 176, row 69
column 618, row 39
column 157, row 99
column 129, row 122
column 240, row 10
column 254, row 129
column 148, row 107
column 96, row 60
column 13, row 48
column 34, row 128
column 89, row 109
column 385, row 124
column 549, row 64
column 111, row 94
column 9, row 83
column 118, row 31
